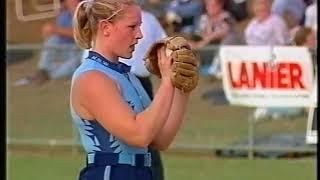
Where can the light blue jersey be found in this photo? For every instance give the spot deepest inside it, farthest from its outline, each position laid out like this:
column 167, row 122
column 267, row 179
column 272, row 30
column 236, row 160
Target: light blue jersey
column 94, row 137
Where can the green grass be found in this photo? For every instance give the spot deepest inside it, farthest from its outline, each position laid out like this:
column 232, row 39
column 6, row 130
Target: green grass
column 63, row 167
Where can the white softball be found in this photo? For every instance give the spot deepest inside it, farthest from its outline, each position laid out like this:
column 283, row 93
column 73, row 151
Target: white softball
column 168, row 52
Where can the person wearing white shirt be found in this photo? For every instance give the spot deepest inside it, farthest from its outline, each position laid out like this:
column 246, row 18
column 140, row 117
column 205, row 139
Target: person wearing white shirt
column 311, row 16
column 291, row 10
column 152, row 31
column 266, row 28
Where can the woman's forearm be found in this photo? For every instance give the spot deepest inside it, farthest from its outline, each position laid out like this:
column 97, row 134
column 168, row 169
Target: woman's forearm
column 152, row 120
column 166, row 135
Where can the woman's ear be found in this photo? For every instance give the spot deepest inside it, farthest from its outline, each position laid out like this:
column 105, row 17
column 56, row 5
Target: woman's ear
column 105, row 27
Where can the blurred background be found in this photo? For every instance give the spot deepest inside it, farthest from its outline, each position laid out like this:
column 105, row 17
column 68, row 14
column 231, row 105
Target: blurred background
column 216, row 141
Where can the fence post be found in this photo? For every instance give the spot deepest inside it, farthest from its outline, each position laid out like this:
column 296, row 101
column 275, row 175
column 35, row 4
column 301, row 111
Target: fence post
column 75, row 140
column 250, row 137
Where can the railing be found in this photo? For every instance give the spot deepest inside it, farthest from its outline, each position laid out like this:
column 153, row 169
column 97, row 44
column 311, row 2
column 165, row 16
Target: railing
column 33, row 47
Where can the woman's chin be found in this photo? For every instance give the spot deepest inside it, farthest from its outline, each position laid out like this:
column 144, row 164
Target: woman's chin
column 127, row 56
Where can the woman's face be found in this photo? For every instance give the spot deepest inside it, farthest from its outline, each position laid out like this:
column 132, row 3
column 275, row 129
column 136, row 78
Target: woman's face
column 261, row 8
column 71, row 4
column 155, row 2
column 125, row 32
column 213, row 7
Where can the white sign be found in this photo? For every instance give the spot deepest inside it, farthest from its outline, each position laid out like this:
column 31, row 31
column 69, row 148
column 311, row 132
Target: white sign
column 267, row 76
column 44, row 10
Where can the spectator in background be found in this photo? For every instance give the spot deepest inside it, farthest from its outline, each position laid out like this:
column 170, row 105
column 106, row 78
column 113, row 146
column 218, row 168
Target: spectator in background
column 152, row 31
column 266, row 28
column 292, row 11
column 155, row 7
column 184, row 15
column 53, row 63
column 309, row 2
column 311, row 15
column 305, row 36
column 158, row 9
column 216, row 26
column 238, row 9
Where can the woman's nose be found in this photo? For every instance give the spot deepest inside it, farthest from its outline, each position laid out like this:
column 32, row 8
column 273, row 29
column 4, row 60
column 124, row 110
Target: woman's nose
column 139, row 34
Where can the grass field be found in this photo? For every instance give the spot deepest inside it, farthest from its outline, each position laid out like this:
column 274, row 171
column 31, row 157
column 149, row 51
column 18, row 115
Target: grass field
column 63, row 167
column 42, row 112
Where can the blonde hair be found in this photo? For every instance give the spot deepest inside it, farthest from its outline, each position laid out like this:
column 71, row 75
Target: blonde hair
column 88, row 14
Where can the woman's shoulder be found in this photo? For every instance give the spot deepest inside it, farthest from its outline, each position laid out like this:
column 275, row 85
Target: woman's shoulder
column 91, row 71
column 226, row 14
column 252, row 24
column 93, row 76
column 276, row 19
column 86, row 65
column 95, row 81
column 227, row 17
column 204, row 18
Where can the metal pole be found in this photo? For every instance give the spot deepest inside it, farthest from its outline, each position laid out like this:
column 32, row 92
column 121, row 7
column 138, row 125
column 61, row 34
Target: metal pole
column 75, row 140
column 250, row 137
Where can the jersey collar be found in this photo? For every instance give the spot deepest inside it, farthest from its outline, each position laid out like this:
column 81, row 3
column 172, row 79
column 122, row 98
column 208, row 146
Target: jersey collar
column 119, row 66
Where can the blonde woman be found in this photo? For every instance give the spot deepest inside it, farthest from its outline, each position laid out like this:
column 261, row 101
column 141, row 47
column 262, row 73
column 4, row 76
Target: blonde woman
column 116, row 119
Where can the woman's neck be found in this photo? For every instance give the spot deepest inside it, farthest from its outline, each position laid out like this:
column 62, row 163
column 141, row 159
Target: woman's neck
column 263, row 17
column 106, row 54
column 216, row 15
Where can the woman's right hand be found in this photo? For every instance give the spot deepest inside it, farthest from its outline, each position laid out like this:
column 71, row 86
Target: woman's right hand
column 164, row 63
column 47, row 30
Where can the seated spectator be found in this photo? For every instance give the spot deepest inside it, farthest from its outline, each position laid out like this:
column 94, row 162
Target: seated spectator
column 305, row 36
column 184, row 15
column 266, row 28
column 292, row 11
column 55, row 63
column 238, row 9
column 216, row 26
column 155, row 7
column 311, row 15
column 309, row 2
